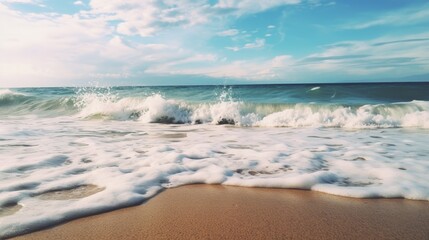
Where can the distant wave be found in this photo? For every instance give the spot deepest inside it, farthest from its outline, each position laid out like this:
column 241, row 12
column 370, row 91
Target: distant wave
column 9, row 97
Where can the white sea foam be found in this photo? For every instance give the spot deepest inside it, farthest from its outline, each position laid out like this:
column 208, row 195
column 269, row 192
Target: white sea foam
column 156, row 109
column 114, row 143
column 412, row 114
column 8, row 92
column 131, row 161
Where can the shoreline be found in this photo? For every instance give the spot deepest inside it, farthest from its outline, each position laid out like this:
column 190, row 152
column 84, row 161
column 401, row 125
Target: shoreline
column 226, row 212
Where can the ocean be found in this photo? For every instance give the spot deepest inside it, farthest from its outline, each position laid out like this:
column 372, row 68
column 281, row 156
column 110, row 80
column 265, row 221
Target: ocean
column 72, row 152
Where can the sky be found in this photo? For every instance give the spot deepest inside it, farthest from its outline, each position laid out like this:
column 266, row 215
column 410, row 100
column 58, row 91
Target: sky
column 176, row 42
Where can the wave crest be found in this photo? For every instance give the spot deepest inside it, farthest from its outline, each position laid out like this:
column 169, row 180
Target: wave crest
column 9, row 97
column 413, row 114
column 157, row 109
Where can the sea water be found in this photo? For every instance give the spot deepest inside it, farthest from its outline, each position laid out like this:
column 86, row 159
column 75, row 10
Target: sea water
column 72, row 152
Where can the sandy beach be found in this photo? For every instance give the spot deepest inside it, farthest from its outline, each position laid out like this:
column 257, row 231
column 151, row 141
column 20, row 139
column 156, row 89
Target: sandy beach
column 219, row 212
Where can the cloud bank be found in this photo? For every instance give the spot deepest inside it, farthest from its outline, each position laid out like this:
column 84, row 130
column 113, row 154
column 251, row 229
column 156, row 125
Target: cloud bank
column 138, row 40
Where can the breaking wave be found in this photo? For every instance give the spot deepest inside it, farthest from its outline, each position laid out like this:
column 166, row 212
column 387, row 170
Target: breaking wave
column 9, row 97
column 94, row 104
column 157, row 109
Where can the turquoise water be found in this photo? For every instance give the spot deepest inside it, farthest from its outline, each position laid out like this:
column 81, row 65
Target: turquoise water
column 245, row 105
column 363, row 93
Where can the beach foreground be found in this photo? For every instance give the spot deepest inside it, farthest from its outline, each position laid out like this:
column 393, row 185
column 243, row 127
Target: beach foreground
column 219, row 212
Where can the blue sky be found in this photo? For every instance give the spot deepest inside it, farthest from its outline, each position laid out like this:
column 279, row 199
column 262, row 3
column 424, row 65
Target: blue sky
column 159, row 42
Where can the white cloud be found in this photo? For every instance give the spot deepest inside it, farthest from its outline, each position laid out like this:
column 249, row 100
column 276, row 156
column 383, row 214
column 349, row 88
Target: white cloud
column 179, row 66
column 359, row 60
column 198, row 58
column 259, row 43
column 398, row 18
column 107, row 75
column 234, row 49
column 271, row 26
column 39, row 48
column 35, row 2
column 229, row 32
column 382, row 57
column 42, row 49
column 251, row 6
column 145, row 18
column 30, row 2
column 79, row 3
column 273, row 68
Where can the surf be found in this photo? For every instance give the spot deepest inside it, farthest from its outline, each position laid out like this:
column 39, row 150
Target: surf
column 222, row 107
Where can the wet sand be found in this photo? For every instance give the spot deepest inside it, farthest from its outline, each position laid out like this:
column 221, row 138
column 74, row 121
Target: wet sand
column 218, row 212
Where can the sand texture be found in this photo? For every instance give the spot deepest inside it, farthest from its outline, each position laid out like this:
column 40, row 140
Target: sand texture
column 218, row 212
